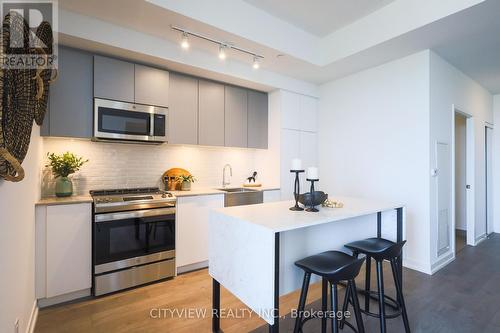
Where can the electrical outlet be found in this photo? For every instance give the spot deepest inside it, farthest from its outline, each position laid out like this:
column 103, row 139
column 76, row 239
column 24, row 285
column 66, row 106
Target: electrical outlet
column 16, row 326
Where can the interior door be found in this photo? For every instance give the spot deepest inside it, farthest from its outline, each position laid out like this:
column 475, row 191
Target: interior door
column 443, row 158
column 489, row 178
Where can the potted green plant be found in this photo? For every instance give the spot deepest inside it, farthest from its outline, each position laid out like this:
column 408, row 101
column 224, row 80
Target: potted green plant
column 186, row 181
column 62, row 166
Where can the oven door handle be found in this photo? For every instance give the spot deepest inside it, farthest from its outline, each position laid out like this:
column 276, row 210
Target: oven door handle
column 133, row 214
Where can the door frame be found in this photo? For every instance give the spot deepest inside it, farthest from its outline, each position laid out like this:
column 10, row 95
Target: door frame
column 470, row 167
column 489, row 222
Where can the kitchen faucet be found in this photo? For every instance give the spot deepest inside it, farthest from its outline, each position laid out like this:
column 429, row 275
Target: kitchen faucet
column 225, row 182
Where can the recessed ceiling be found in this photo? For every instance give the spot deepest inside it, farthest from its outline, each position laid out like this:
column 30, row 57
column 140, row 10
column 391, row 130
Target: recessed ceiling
column 466, row 35
column 319, row 17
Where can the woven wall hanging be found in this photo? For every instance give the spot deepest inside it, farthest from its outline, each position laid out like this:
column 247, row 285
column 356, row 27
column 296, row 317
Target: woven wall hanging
column 23, row 93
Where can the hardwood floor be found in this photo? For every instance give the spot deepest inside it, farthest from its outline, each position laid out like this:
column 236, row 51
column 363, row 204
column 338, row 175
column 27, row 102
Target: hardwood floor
column 460, row 240
column 129, row 311
column 462, row 297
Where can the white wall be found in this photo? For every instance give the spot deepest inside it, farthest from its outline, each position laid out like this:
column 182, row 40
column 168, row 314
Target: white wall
column 115, row 165
column 17, row 241
column 374, row 142
column 460, row 183
column 450, row 88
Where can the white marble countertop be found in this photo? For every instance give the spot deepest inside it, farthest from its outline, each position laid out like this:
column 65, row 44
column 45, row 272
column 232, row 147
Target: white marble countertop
column 52, row 201
column 210, row 191
column 277, row 217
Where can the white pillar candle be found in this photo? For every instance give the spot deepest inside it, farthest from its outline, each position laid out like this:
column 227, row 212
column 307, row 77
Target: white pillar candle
column 312, row 173
column 296, row 164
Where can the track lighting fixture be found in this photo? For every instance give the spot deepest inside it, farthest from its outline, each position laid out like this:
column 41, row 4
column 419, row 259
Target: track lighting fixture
column 256, row 64
column 223, row 46
column 185, row 41
column 222, row 52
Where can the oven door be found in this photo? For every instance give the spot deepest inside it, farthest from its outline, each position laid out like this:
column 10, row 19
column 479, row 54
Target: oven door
column 126, row 121
column 127, row 239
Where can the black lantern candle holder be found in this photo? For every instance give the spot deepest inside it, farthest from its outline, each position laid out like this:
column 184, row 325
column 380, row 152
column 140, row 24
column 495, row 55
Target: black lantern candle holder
column 296, row 190
column 311, row 207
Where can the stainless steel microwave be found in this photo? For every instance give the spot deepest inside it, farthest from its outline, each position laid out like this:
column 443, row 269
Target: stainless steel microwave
column 122, row 121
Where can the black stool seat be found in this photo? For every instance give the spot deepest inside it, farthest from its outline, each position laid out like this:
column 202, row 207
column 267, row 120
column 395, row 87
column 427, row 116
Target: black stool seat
column 333, row 265
column 380, row 250
column 377, row 248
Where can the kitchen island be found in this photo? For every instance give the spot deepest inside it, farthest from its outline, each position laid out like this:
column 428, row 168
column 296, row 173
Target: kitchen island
column 252, row 249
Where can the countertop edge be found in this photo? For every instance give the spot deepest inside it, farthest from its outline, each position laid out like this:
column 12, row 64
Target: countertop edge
column 209, row 191
column 53, row 201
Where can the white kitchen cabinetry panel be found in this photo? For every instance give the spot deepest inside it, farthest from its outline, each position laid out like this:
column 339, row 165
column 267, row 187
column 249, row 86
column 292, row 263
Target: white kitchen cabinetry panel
column 308, row 113
column 68, row 249
column 309, row 155
column 290, row 110
column 290, row 149
column 192, row 227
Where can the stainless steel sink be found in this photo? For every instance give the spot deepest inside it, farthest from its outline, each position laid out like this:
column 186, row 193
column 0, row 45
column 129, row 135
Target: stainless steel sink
column 242, row 196
column 238, row 189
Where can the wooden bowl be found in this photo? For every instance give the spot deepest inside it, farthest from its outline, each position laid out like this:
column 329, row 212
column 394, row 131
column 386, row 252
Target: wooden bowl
column 314, row 199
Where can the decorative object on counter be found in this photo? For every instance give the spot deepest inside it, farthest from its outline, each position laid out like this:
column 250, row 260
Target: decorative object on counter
column 312, row 173
column 252, row 177
column 332, row 204
column 62, row 166
column 170, row 178
column 312, row 205
column 296, row 168
column 23, row 92
column 252, row 181
column 186, row 181
column 312, row 200
column 296, row 164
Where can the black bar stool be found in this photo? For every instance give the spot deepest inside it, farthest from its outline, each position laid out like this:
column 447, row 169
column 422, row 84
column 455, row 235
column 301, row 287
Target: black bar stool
column 333, row 267
column 381, row 249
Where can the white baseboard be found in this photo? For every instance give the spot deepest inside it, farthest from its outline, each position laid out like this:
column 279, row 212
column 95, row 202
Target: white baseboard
column 442, row 262
column 416, row 266
column 480, row 239
column 33, row 317
column 45, row 302
column 192, row 267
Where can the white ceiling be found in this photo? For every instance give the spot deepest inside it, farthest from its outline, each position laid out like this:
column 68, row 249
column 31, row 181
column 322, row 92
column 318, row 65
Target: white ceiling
column 477, row 51
column 319, row 17
column 466, row 35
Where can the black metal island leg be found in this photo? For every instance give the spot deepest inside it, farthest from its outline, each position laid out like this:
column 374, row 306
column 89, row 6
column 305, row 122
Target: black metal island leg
column 216, row 306
column 275, row 328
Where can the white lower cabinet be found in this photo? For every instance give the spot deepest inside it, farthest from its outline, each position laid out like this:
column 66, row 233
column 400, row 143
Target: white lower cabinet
column 192, row 229
column 63, row 249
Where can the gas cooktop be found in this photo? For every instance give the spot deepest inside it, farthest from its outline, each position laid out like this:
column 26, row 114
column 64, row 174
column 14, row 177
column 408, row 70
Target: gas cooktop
column 115, row 200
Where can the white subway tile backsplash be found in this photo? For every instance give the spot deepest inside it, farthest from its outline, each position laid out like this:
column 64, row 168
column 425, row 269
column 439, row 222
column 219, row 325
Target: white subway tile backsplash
column 115, row 165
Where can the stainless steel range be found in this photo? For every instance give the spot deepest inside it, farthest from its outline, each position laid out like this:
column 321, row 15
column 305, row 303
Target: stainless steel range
column 133, row 238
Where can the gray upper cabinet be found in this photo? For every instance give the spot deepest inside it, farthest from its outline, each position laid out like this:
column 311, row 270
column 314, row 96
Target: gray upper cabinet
column 114, row 79
column 151, row 86
column 257, row 119
column 183, row 109
column 70, row 98
column 235, row 117
column 211, row 113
